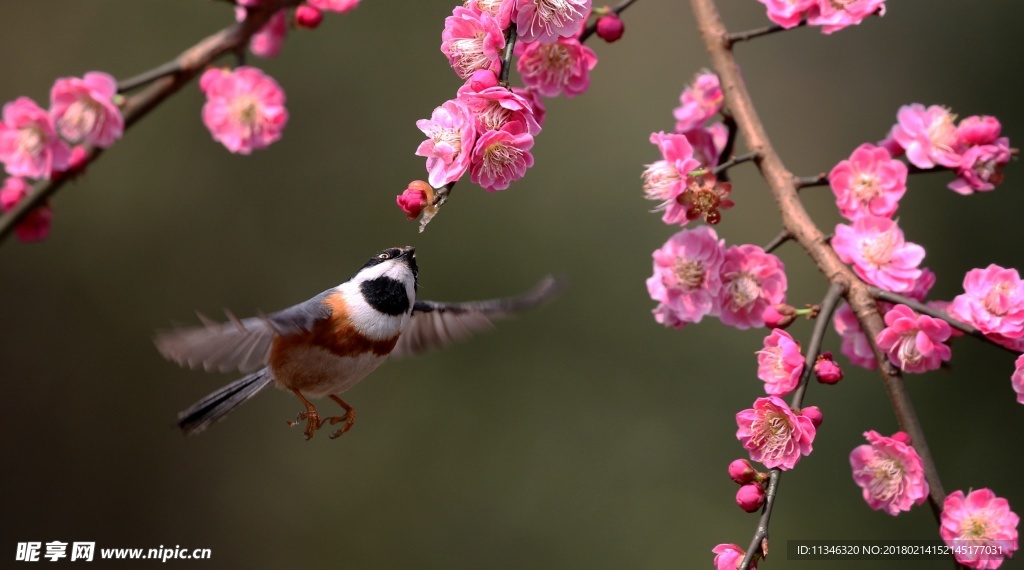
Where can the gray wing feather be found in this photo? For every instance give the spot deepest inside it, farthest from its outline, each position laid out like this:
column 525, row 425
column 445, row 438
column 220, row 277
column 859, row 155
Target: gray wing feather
column 434, row 324
column 238, row 344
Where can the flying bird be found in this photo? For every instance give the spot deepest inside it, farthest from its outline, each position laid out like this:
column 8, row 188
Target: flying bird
column 325, row 345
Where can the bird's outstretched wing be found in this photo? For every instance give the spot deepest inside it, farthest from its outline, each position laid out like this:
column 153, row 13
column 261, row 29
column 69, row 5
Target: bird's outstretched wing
column 434, row 324
column 239, row 344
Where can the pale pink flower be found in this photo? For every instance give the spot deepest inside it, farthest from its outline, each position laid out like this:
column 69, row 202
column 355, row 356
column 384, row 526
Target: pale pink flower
column 752, row 280
column 787, row 13
column 780, row 363
column 29, row 145
column 267, row 42
column 665, row 179
column 914, row 342
column 978, row 129
column 869, row 183
column 496, row 106
column 993, row 301
column 834, row 15
column 472, row 41
column 547, row 20
column 978, row 520
column 686, row 277
column 562, row 66
column 36, row 225
column 708, row 143
column 539, row 111
column 501, row 10
column 878, row 253
column 854, row 345
column 928, row 135
column 729, row 557
column 699, row 101
column 244, row 108
column 980, row 167
column 501, row 157
column 1017, row 379
column 451, row 132
column 334, row 5
column 665, row 315
column 890, row 472
column 774, row 434
column 83, row 110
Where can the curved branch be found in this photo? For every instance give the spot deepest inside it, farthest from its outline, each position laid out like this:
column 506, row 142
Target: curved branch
column 166, row 80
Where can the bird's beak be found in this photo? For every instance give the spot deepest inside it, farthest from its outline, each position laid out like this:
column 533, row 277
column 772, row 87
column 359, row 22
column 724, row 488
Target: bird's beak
column 408, row 252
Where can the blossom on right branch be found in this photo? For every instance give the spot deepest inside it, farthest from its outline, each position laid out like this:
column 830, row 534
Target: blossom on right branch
column 870, row 182
column 562, row 66
column 915, row 343
column 890, row 473
column 975, row 521
column 993, row 301
column 879, row 255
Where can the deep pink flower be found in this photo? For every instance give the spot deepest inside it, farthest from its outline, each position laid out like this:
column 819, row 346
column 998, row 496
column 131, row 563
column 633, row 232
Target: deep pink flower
column 547, row 20
column 472, row 41
column 36, row 225
column 1017, row 379
column 539, row 111
column 269, row 40
column 686, row 277
column 750, row 497
column 562, row 66
column 415, row 198
column 501, row 157
column 834, row 15
column 501, row 10
column 708, row 143
column 699, row 101
column 83, row 110
column 993, row 301
column 244, row 108
column 334, row 5
column 780, row 363
column 29, row 145
column 787, row 13
column 977, row 520
column 665, row 180
column 813, row 413
column 610, row 27
column 773, row 434
column 729, row 557
column 496, row 106
column 855, row 345
column 928, row 135
column 778, row 316
column 980, row 167
column 869, row 183
column 975, row 130
column 451, row 134
column 751, row 281
column 827, row 370
column 308, row 17
column 742, row 472
column 878, row 253
column 914, row 342
column 890, row 472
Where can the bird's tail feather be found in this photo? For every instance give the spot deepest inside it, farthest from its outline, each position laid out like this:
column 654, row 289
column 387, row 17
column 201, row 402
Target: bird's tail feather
column 217, row 405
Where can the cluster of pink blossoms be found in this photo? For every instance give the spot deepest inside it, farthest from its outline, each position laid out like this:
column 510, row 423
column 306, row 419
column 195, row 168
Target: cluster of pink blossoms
column 488, row 129
column 37, row 144
column 831, row 15
column 695, row 275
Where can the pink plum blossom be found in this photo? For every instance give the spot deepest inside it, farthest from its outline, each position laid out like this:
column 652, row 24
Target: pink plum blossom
column 451, row 132
column 701, row 100
column 501, row 157
column 978, row 130
column 980, row 167
column 890, row 472
column 977, row 520
column 415, row 198
column 496, row 106
column 83, row 110
column 547, row 20
column 742, row 472
column 827, row 370
column 834, row 15
column 664, row 315
column 308, row 17
column 340, row 6
column 729, row 557
column 780, row 363
column 36, row 225
column 854, row 345
column 774, row 434
column 750, row 497
column 878, row 253
column 914, row 342
column 708, row 143
column 501, row 10
column 610, row 27
column 562, row 66
column 1017, row 380
column 787, row 13
column 686, row 277
column 244, row 108
column 539, row 111
column 752, row 280
column 705, row 197
column 993, row 301
column 472, row 41
column 268, row 41
column 29, row 145
column 869, row 183
column 928, row 135
column 665, row 180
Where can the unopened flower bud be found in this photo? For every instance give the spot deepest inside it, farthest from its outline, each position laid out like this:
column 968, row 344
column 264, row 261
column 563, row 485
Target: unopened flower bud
column 308, row 17
column 812, row 413
column 417, row 196
column 901, row 437
column 610, row 27
column 827, row 370
column 742, row 471
column 750, row 497
column 778, row 316
column 482, row 79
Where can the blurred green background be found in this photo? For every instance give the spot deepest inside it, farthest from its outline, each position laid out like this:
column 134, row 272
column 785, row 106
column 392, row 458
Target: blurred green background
column 582, row 435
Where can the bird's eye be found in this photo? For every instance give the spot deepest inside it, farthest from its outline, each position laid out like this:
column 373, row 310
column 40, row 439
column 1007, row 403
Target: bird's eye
column 383, row 256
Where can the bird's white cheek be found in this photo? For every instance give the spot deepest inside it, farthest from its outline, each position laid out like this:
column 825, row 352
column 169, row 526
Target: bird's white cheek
column 370, row 322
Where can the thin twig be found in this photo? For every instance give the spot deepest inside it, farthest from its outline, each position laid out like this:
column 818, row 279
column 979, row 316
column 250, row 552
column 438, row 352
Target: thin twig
column 721, row 168
column 506, row 56
column 809, row 181
column 164, row 84
column 589, row 31
column 736, row 37
column 169, row 68
column 778, row 240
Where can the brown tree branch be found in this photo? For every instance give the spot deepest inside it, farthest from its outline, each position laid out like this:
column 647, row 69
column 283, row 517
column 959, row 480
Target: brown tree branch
column 166, row 80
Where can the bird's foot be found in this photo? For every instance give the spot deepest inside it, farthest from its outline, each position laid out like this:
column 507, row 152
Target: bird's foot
column 312, row 419
column 349, row 418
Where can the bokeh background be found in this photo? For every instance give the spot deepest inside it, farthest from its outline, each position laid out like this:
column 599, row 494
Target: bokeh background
column 580, row 435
